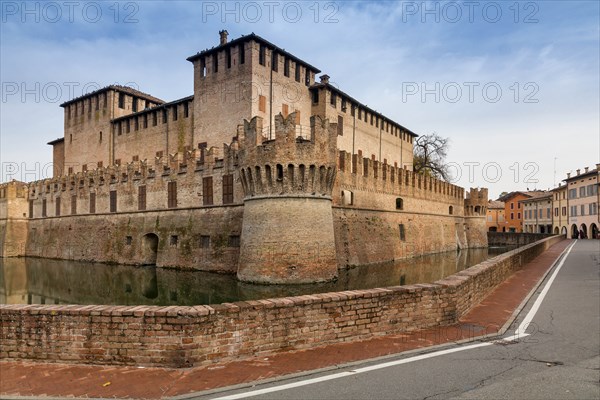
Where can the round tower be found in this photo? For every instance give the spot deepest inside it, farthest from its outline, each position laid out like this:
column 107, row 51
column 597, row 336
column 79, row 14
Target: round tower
column 287, row 230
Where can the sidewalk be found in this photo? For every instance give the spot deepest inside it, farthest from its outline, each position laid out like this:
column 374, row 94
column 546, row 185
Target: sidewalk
column 35, row 379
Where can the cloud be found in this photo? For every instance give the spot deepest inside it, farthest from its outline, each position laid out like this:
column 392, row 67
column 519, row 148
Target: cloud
column 374, row 51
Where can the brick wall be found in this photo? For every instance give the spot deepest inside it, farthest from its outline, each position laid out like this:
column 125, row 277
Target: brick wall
column 186, row 336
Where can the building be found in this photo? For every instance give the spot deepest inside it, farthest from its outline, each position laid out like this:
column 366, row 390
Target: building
column 495, row 220
column 261, row 172
column 583, row 201
column 513, row 211
column 560, row 220
column 537, row 213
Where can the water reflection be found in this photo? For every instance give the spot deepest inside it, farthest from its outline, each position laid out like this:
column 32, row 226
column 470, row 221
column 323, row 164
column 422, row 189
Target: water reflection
column 41, row 281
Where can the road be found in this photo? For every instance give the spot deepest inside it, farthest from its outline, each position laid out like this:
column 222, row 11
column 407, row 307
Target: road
column 559, row 359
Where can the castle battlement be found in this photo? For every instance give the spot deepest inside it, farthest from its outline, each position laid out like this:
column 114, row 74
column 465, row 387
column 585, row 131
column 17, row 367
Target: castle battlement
column 289, row 164
column 476, row 202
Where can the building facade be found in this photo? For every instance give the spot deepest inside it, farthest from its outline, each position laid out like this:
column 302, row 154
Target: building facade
column 560, row 213
column 495, row 220
column 241, row 177
column 583, row 201
column 513, row 211
column 537, row 213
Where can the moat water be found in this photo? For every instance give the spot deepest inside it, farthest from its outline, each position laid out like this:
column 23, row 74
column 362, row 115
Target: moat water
column 42, row 281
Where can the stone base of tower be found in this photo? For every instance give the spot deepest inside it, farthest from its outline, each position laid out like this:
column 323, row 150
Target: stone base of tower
column 287, row 240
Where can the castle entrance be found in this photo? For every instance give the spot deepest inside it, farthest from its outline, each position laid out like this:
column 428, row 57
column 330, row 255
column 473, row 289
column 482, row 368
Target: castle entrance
column 150, row 249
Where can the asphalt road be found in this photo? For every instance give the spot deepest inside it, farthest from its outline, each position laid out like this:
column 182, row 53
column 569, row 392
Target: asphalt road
column 559, row 359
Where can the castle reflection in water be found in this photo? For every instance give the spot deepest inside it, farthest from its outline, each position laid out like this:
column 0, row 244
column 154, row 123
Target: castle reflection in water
column 43, row 281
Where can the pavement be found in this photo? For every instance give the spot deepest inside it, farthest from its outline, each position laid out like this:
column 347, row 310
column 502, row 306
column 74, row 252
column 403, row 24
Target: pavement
column 491, row 317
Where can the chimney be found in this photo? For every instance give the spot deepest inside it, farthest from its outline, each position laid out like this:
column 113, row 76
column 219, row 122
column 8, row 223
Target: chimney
column 223, row 35
column 568, row 175
column 587, row 169
column 324, row 79
column 578, row 171
column 598, row 166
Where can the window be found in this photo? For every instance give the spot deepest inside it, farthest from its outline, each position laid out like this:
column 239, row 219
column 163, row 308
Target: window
column 402, row 232
column 344, row 106
column 512, row 215
column 134, row 104
column 154, row 118
column 564, row 211
column 145, row 121
column 92, row 203
column 297, row 73
column 172, row 194
column 57, row 202
column 44, row 211
column 340, row 126
column 512, row 206
column 207, row 190
column 30, row 208
column 100, row 135
column 582, row 209
column 113, row 201
column 333, row 99
column 186, row 109
column 128, row 240
column 275, row 61
column 204, row 241
column 556, row 211
column 228, row 57
column 518, row 215
column 127, row 126
column 136, row 123
column 306, row 77
column 572, row 193
column 242, row 54
column 315, row 96
column 261, row 54
column 142, row 197
column 548, row 213
column 262, row 103
column 175, row 112
column 582, row 191
column 593, row 208
column 164, row 116
column 227, row 189
column 215, row 59
column 174, row 239
column 286, row 67
column 519, row 205
column 399, row 204
column 573, row 211
column 451, row 212
column 97, row 103
column 121, row 100
column 234, row 241
column 73, row 205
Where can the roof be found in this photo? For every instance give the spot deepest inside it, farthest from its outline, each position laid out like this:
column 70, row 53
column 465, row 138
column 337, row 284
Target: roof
column 164, row 105
column 118, row 88
column 495, row 204
column 338, row 91
column 510, row 195
column 537, row 196
column 56, row 141
column 246, row 38
column 591, row 172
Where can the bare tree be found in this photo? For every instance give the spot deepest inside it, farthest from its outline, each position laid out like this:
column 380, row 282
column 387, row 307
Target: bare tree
column 430, row 156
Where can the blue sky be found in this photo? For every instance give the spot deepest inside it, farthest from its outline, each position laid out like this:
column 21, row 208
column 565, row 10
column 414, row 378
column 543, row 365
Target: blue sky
column 514, row 85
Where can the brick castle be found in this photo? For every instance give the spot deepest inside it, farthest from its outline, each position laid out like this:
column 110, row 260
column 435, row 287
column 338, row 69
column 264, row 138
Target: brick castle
column 261, row 172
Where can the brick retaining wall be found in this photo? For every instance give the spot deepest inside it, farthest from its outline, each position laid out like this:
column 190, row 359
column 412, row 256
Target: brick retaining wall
column 187, row 336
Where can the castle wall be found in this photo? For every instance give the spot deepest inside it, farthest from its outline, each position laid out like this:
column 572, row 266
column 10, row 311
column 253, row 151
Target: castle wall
column 383, row 213
column 156, row 132
column 364, row 133
column 13, row 218
column 222, row 99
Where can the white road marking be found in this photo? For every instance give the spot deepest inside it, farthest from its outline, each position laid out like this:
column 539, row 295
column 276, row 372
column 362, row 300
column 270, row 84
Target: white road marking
column 519, row 333
column 538, row 302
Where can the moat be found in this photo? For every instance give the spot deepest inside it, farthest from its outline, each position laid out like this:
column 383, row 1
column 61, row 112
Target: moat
column 44, row 281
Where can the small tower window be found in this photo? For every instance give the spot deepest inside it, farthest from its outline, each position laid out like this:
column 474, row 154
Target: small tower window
column 399, row 204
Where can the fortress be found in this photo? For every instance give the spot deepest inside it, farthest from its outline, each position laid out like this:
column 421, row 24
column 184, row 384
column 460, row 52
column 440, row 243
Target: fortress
column 261, row 172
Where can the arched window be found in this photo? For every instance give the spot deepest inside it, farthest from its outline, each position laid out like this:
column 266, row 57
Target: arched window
column 450, row 210
column 399, row 204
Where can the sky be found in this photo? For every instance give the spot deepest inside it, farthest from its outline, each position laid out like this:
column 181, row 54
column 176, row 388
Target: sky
column 514, row 85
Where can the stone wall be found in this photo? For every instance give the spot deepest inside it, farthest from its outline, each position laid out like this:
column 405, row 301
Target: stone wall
column 514, row 238
column 187, row 336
